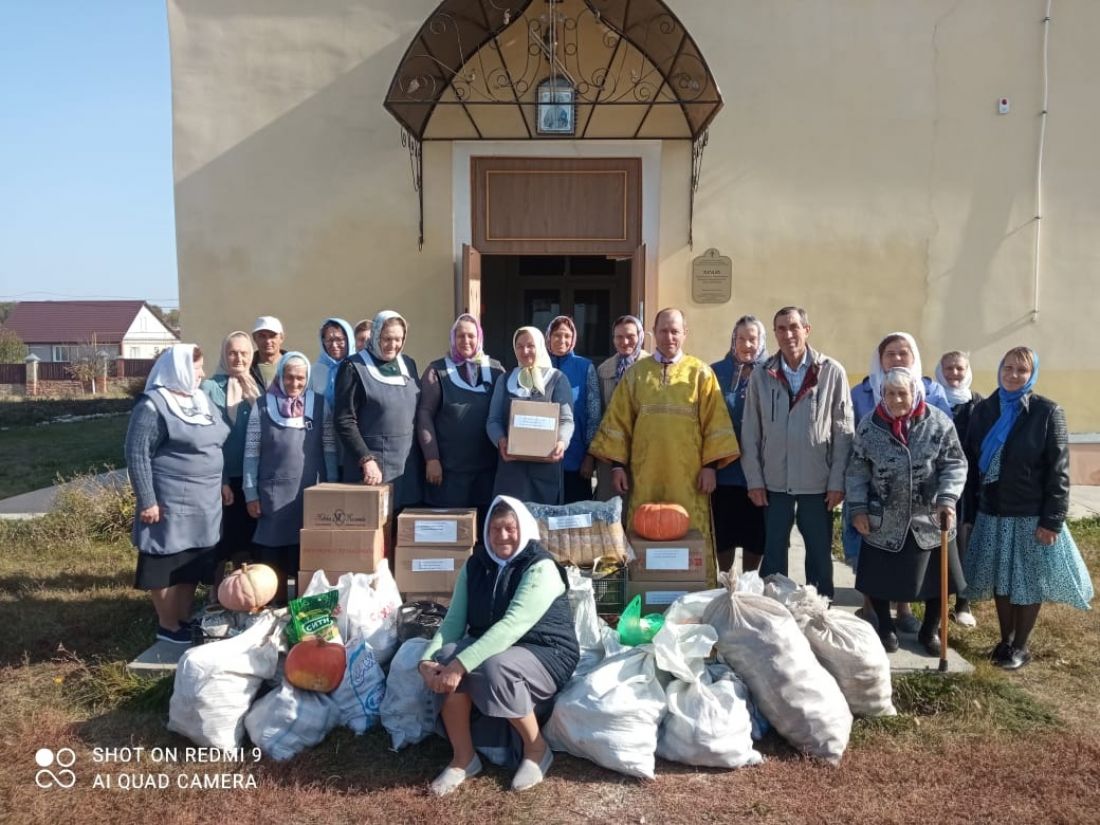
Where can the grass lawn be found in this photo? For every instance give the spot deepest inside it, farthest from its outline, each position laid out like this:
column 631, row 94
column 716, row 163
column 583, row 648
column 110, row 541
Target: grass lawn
column 34, row 456
column 992, row 747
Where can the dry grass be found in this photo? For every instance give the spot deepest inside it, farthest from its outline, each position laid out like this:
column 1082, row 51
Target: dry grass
column 988, row 748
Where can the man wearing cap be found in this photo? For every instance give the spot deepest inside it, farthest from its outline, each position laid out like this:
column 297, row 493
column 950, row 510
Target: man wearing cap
column 267, row 333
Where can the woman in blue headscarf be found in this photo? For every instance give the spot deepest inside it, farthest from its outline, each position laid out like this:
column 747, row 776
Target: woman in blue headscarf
column 1021, row 553
column 577, row 466
column 737, row 521
column 337, row 343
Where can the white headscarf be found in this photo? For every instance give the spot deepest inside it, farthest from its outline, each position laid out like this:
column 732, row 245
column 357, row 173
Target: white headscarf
column 960, row 394
column 241, row 387
column 876, row 372
column 524, row 379
column 528, row 528
column 173, row 378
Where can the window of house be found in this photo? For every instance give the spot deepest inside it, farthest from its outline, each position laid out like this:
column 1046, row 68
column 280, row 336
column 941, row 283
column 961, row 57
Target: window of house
column 62, row 353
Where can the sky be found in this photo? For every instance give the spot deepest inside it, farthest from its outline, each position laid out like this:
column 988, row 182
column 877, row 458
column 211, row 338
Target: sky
column 86, row 205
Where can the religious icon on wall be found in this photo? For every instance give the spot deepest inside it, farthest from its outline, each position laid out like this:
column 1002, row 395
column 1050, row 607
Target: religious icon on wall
column 556, row 107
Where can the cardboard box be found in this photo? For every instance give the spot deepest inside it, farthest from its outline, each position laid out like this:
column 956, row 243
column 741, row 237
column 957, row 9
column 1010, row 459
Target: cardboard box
column 437, row 527
column 657, row 595
column 358, row 550
column 428, row 569
column 682, row 560
column 332, row 506
column 533, row 429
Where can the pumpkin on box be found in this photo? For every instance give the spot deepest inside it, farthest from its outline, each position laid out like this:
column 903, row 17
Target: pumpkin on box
column 661, row 521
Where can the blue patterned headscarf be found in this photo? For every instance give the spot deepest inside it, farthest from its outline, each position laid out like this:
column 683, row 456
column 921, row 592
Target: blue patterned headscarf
column 1011, row 404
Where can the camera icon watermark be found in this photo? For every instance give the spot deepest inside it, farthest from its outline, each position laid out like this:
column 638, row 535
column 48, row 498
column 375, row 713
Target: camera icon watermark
column 64, row 759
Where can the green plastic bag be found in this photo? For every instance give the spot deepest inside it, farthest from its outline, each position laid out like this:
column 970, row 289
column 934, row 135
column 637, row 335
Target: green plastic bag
column 314, row 617
column 636, row 629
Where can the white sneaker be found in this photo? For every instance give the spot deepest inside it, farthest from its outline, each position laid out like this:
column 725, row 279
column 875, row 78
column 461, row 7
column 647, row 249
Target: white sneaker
column 964, row 618
column 530, row 774
column 448, row 781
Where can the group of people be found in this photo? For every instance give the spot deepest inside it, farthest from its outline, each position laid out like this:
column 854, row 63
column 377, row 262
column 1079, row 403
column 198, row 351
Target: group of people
column 748, row 446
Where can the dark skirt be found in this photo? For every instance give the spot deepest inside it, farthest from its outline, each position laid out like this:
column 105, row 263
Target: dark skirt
column 910, row 575
column 576, row 487
column 285, row 560
column 235, row 544
column 737, row 521
column 194, row 566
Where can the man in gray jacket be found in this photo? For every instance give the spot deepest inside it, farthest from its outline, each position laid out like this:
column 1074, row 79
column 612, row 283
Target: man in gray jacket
column 795, row 439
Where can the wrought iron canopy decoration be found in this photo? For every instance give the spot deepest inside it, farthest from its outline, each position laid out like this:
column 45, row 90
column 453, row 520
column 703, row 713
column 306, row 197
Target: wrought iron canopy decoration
column 475, row 68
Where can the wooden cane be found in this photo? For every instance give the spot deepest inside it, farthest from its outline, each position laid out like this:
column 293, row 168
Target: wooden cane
column 943, row 591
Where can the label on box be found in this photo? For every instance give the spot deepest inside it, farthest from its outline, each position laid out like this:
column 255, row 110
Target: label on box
column 568, row 522
column 534, row 422
column 433, row 565
column 435, row 532
column 667, row 558
column 663, row 597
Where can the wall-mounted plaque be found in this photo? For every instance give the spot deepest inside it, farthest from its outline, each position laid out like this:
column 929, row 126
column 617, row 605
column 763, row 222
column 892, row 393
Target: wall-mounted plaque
column 711, row 278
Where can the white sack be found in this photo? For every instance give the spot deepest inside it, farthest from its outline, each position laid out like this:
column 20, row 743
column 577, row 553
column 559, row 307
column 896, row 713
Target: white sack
column 706, row 724
column 409, row 708
column 368, row 608
column 215, row 684
column 611, row 715
column 761, row 641
column 359, row 695
column 288, row 720
column 689, row 608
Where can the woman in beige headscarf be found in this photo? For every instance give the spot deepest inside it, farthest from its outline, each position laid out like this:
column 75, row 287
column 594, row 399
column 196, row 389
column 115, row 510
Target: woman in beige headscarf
column 232, row 390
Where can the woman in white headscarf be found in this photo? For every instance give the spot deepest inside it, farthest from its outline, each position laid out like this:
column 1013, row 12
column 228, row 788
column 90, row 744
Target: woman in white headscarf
column 174, row 460
column 506, row 647
column 377, row 392
column 232, row 391
column 534, row 379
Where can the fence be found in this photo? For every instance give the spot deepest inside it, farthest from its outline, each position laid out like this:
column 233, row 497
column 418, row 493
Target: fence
column 13, row 373
column 54, row 378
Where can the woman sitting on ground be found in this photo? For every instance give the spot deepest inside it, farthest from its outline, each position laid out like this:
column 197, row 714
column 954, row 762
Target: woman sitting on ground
column 506, row 647
column 1021, row 552
column 906, row 473
column 174, row 460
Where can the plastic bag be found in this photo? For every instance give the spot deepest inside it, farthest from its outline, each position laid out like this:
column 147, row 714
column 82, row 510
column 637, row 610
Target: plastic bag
column 313, row 616
column 636, row 629
column 719, row 673
column 359, row 696
column 287, row 721
column 419, row 620
column 409, row 708
column 368, row 608
column 779, row 587
column 611, row 715
column 849, row 649
column 761, row 641
column 215, row 684
column 690, row 607
column 706, row 724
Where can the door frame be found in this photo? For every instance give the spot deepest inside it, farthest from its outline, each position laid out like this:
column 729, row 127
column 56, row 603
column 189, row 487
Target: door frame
column 648, row 151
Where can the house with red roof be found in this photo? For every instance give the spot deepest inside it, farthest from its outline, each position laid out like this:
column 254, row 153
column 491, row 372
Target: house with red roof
column 56, row 330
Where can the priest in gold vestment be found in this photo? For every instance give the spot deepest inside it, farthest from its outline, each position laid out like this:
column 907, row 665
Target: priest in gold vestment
column 668, row 423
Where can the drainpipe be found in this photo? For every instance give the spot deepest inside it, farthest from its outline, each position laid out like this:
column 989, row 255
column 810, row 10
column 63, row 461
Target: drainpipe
column 1036, row 266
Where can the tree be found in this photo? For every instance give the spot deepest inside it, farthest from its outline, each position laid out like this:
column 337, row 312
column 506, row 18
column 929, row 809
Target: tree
column 5, row 310
column 12, row 348
column 89, row 364
column 169, row 317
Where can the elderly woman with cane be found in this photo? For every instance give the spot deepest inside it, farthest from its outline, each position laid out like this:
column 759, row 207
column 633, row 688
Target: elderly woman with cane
column 905, row 475
column 506, row 647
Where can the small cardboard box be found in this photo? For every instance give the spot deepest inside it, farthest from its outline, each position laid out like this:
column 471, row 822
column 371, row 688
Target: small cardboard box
column 657, row 596
column 682, row 560
column 333, row 506
column 428, row 569
column 437, row 527
column 533, row 429
column 358, row 550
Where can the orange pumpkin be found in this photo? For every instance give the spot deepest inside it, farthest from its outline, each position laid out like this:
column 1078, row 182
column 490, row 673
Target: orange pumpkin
column 316, row 665
column 661, row 521
column 248, row 589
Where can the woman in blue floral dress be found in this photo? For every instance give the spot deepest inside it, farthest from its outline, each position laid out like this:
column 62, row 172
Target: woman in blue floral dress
column 1021, row 553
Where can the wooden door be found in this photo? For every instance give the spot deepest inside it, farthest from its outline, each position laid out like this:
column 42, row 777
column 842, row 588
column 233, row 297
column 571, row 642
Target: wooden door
column 637, row 283
column 469, row 299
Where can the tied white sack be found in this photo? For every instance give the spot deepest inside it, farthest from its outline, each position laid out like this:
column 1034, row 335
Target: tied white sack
column 762, row 642
column 288, row 720
column 359, row 695
column 611, row 715
column 594, row 637
column 707, row 724
column 368, row 608
column 216, row 683
column 724, row 680
column 849, row 649
column 409, row 707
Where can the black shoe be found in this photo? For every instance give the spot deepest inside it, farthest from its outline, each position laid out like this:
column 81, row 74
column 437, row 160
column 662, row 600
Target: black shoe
column 931, row 642
column 1016, row 659
column 890, row 642
column 1000, row 654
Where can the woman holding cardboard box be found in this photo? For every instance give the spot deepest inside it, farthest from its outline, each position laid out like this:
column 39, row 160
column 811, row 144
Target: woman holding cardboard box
column 455, row 392
column 531, row 469
column 506, row 647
